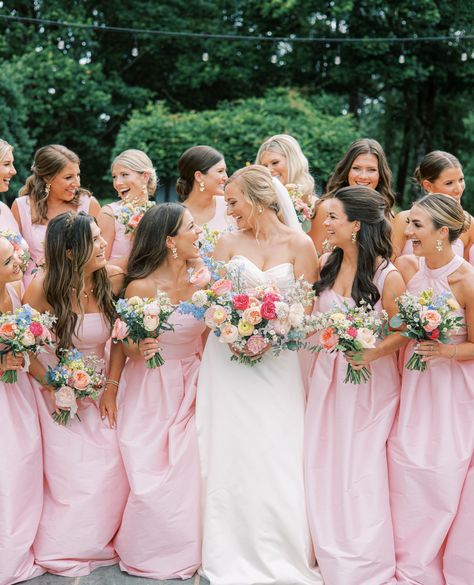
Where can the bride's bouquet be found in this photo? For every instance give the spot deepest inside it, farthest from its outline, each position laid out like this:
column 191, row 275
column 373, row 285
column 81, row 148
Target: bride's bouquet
column 22, row 332
column 75, row 377
column 20, row 247
column 141, row 318
column 427, row 317
column 129, row 214
column 304, row 210
column 254, row 320
column 350, row 329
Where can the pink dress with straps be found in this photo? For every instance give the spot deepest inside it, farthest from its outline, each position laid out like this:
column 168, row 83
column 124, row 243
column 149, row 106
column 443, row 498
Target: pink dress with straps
column 35, row 233
column 346, row 431
column 7, row 221
column 431, row 460
column 122, row 243
column 85, row 482
column 160, row 535
column 21, row 479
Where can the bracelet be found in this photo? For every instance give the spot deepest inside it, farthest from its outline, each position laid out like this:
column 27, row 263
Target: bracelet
column 113, row 382
column 455, row 352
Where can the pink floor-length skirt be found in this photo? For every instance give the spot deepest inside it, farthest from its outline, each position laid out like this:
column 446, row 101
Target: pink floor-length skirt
column 160, row 536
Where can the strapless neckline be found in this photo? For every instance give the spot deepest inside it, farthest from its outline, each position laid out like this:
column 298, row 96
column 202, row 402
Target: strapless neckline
column 257, row 267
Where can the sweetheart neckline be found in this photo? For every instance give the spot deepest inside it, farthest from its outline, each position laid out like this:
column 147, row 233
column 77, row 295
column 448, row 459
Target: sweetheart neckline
column 259, row 269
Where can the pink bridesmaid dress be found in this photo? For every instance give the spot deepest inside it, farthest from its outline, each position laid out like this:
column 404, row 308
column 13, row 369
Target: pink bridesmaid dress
column 35, row 233
column 471, row 255
column 21, row 479
column 220, row 221
column 431, row 461
column 7, row 221
column 346, row 432
column 122, row 243
column 85, row 483
column 160, row 535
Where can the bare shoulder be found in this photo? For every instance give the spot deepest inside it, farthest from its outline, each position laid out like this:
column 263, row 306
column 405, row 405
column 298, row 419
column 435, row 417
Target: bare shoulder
column 116, row 276
column 142, row 287
column 301, row 242
column 227, row 243
column 407, row 265
column 35, row 294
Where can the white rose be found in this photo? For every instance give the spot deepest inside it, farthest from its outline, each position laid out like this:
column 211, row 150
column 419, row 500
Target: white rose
column 229, row 333
column 27, row 339
column 199, row 298
column 150, row 322
column 366, row 338
column 296, row 315
column 152, row 309
column 282, row 310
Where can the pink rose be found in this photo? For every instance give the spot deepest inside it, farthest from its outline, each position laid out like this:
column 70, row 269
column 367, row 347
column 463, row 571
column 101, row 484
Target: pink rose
column 120, row 330
column 36, row 329
column 221, row 287
column 252, row 315
column 229, row 333
column 328, row 338
column 352, row 331
column 271, row 296
column 200, row 278
column 80, row 379
column 65, row 397
column 256, row 344
column 240, row 302
column 268, row 310
column 46, row 335
column 430, row 319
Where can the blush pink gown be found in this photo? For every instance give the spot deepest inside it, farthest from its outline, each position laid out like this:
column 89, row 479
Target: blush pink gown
column 346, row 432
column 431, row 461
column 35, row 233
column 21, row 481
column 7, row 221
column 220, row 221
column 85, row 483
column 122, row 243
column 160, row 536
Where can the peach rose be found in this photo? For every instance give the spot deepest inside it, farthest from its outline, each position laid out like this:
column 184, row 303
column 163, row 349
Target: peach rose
column 200, row 278
column 430, row 319
column 221, row 287
column 150, row 322
column 8, row 330
column 328, row 338
column 229, row 333
column 28, row 339
column 80, row 379
column 120, row 330
column 252, row 315
column 66, row 399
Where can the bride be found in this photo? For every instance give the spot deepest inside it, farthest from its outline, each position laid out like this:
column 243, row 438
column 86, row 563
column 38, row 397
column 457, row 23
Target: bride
column 250, row 419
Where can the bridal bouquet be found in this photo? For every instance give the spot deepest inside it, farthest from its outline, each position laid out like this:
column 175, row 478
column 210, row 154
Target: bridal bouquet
column 350, row 329
column 253, row 320
column 141, row 318
column 427, row 317
column 129, row 214
column 304, row 211
column 20, row 247
column 75, row 377
column 23, row 331
column 208, row 240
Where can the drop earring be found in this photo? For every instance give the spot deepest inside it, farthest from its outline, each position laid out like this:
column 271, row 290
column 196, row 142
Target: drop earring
column 47, row 188
column 201, row 186
column 354, row 237
column 174, row 252
column 439, row 245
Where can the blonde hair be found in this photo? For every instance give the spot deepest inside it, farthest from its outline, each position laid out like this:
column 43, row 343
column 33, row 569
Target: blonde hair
column 445, row 211
column 136, row 160
column 5, row 148
column 296, row 162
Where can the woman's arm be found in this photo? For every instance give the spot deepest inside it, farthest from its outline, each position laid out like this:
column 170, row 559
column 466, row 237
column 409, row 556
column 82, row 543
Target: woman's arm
column 106, row 221
column 399, row 238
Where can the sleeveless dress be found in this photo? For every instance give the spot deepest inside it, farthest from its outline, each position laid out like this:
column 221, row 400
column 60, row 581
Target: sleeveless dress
column 122, row 242
column 35, row 233
column 85, row 483
column 250, row 431
column 21, row 480
column 431, row 461
column 220, row 221
column 346, row 431
column 7, row 220
column 160, row 535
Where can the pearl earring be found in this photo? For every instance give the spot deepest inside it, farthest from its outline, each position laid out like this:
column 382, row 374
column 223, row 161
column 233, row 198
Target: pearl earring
column 201, row 186
column 439, row 245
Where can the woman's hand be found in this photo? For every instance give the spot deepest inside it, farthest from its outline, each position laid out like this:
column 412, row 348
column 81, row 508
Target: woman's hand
column 361, row 359
column 247, row 353
column 148, row 347
column 108, row 405
column 10, row 361
column 434, row 349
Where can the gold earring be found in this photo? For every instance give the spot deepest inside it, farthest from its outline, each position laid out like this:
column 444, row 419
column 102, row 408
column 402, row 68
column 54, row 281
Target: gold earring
column 354, row 237
column 145, row 190
column 201, row 186
column 47, row 187
column 174, row 252
column 439, row 245
column 260, row 209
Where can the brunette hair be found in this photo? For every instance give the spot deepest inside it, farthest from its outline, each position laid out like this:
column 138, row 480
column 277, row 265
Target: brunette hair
column 68, row 248
column 368, row 207
column 446, row 211
column 138, row 161
column 197, row 158
column 433, row 164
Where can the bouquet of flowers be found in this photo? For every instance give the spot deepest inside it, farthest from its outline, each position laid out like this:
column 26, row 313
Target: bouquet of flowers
column 23, row 331
column 141, row 318
column 304, row 211
column 350, row 329
column 426, row 316
column 129, row 214
column 19, row 246
column 75, row 377
column 253, row 320
column 208, row 240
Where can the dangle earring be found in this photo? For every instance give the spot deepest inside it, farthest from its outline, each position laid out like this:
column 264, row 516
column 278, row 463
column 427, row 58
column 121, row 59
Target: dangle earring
column 144, row 190
column 174, row 252
column 201, row 186
column 354, row 237
column 47, row 187
column 260, row 209
column 439, row 245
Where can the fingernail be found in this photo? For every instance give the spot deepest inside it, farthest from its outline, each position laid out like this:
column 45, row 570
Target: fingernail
column 102, row 417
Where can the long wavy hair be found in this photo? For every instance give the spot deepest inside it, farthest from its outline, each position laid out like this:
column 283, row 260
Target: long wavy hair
column 149, row 242
column 68, row 247
column 340, row 176
column 48, row 162
column 366, row 206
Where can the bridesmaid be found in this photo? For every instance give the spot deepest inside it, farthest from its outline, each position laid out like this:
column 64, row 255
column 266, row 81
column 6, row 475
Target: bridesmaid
column 53, row 188
column 160, row 533
column 135, row 182
column 7, row 171
column 431, row 447
column 438, row 172
column 85, row 482
column 200, row 186
column 21, row 481
column 364, row 164
column 347, row 425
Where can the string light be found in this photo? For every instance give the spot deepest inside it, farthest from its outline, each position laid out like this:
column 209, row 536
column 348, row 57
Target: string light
column 337, row 60
column 464, row 56
column 205, row 56
column 401, row 59
column 134, row 52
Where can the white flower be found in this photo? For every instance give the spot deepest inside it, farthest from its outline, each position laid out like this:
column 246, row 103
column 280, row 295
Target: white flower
column 282, row 309
column 296, row 315
column 199, row 298
column 151, row 322
column 366, row 338
column 27, row 339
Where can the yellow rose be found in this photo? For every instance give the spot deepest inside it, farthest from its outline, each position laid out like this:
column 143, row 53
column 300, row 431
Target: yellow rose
column 452, row 304
column 134, row 300
column 338, row 316
column 245, row 328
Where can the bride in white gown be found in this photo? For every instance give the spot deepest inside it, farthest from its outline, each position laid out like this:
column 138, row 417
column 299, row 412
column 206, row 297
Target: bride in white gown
column 250, row 419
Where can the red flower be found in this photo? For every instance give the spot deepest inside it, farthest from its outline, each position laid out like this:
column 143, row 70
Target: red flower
column 433, row 334
column 268, row 310
column 352, row 331
column 271, row 297
column 240, row 302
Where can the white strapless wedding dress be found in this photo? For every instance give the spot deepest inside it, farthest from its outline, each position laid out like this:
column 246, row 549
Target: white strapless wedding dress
column 250, row 429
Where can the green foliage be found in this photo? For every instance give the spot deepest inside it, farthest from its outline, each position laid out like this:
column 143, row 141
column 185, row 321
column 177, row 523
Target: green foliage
column 237, row 129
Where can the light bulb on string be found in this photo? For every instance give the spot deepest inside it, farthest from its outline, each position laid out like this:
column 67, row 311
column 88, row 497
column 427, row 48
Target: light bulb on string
column 472, row 55
column 337, row 60
column 273, row 59
column 205, row 56
column 401, row 59
column 464, row 56
column 134, row 51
